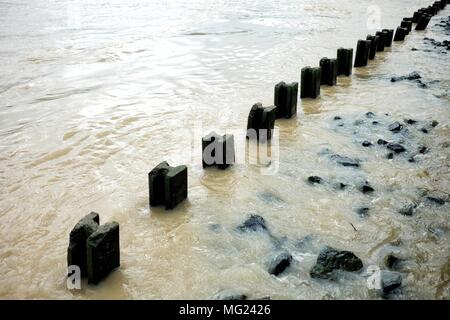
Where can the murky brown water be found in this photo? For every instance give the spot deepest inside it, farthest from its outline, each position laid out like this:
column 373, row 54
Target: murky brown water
column 94, row 95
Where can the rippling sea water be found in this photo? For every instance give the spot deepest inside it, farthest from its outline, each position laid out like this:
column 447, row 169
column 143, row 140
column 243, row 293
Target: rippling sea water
column 94, row 94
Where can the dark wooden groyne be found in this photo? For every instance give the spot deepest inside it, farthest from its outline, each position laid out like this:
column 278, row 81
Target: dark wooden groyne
column 94, row 248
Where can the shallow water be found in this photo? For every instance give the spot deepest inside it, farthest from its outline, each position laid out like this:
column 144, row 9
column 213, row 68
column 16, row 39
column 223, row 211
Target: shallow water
column 94, row 94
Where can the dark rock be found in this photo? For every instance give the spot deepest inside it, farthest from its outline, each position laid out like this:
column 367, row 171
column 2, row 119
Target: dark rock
column 76, row 252
column 315, row 179
column 412, row 159
column 231, row 297
column 375, row 122
column 395, row 127
column 341, row 186
column 103, row 252
column 424, row 130
column 434, row 123
column 420, row 84
column 367, row 144
column 253, row 223
column 408, row 210
column 167, row 185
column 390, row 156
column 280, row 263
column 370, row 114
column 345, row 161
column 331, row 259
column 390, row 281
column 337, row 118
column 412, row 76
column 363, row 212
column 410, row 121
column 392, row 262
column 436, row 200
column 423, row 149
column 366, row 188
column 382, row 142
column 397, row 148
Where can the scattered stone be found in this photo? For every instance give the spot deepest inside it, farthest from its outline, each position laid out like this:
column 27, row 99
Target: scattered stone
column 337, row 118
column 397, row 148
column 424, row 130
column 420, row 84
column 280, row 263
column 315, row 180
column 76, row 252
column 363, row 212
column 436, row 200
column 408, row 210
column 412, row 76
column 370, row 114
column 392, row 262
column 390, row 156
column 341, row 186
column 395, row 127
column 375, row 123
column 434, row 123
column 366, row 188
column 423, row 149
column 103, row 252
column 412, row 159
column 228, row 296
column 254, row 223
column 382, row 142
column 367, row 144
column 390, row 281
column 345, row 161
column 331, row 259
column 410, row 121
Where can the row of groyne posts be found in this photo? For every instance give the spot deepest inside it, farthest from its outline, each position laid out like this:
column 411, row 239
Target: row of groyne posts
column 94, row 248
